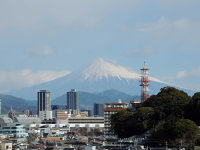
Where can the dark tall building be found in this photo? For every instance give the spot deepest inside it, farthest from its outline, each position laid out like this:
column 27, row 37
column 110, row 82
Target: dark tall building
column 73, row 101
column 44, row 104
column 98, row 110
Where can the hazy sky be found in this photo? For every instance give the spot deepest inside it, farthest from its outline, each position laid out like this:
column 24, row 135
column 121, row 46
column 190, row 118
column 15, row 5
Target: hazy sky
column 43, row 40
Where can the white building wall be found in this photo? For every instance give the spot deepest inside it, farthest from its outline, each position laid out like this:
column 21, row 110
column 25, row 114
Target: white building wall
column 45, row 115
column 86, row 125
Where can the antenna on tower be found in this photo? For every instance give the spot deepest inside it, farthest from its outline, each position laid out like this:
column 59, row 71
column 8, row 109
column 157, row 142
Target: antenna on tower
column 144, row 83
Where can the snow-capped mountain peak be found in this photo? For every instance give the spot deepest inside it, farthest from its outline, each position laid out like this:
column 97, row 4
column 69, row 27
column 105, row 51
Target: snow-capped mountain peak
column 104, row 68
column 102, row 74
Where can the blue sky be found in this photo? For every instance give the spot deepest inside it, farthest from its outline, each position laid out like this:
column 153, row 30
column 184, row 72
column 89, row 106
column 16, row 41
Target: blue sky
column 44, row 40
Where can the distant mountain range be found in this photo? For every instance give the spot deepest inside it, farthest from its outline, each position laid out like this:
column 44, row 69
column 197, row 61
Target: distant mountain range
column 102, row 81
column 18, row 104
column 100, row 75
column 86, row 100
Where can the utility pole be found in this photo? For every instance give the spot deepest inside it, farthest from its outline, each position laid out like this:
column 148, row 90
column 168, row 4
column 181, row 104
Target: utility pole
column 181, row 144
column 166, row 145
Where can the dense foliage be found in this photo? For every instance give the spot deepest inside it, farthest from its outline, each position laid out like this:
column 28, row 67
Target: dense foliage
column 122, row 122
column 172, row 116
column 193, row 109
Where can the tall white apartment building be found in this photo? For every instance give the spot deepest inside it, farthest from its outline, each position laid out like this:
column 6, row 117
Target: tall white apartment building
column 112, row 108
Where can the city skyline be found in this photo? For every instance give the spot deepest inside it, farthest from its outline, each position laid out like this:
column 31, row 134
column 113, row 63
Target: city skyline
column 42, row 41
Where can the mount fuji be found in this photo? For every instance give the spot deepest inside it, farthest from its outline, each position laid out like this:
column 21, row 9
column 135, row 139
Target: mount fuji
column 100, row 75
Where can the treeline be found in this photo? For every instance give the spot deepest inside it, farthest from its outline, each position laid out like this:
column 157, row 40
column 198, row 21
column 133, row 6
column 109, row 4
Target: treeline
column 170, row 116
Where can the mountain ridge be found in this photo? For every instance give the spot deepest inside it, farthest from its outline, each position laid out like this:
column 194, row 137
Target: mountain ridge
column 17, row 103
column 87, row 99
column 102, row 74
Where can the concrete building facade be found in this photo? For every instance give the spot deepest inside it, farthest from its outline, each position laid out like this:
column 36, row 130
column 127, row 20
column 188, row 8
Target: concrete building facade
column 17, row 131
column 89, row 122
column 98, row 110
column 44, row 105
column 73, row 102
column 62, row 114
column 112, row 108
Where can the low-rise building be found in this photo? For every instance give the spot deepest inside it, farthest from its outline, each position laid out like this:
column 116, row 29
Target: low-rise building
column 5, row 121
column 16, row 131
column 27, row 120
column 89, row 112
column 18, row 118
column 135, row 104
column 62, row 114
column 6, row 145
column 49, row 129
column 90, row 122
column 83, row 113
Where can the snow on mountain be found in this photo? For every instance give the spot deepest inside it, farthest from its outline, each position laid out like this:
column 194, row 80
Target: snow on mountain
column 104, row 68
column 100, row 75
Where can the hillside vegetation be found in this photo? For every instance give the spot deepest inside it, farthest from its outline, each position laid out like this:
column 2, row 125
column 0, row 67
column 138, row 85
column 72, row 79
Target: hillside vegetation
column 171, row 116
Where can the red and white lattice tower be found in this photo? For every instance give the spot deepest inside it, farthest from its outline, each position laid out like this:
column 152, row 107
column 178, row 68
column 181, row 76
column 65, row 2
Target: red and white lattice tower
column 144, row 83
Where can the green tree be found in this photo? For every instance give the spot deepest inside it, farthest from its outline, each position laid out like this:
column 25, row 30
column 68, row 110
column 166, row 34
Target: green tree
column 196, row 98
column 167, row 113
column 176, row 130
column 126, row 124
column 121, row 123
column 193, row 111
column 169, row 101
column 143, row 117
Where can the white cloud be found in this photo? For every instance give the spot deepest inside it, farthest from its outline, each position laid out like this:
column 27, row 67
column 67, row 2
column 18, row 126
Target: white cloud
column 183, row 29
column 194, row 73
column 163, row 25
column 187, row 79
column 41, row 51
column 139, row 53
column 24, row 78
column 181, row 74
